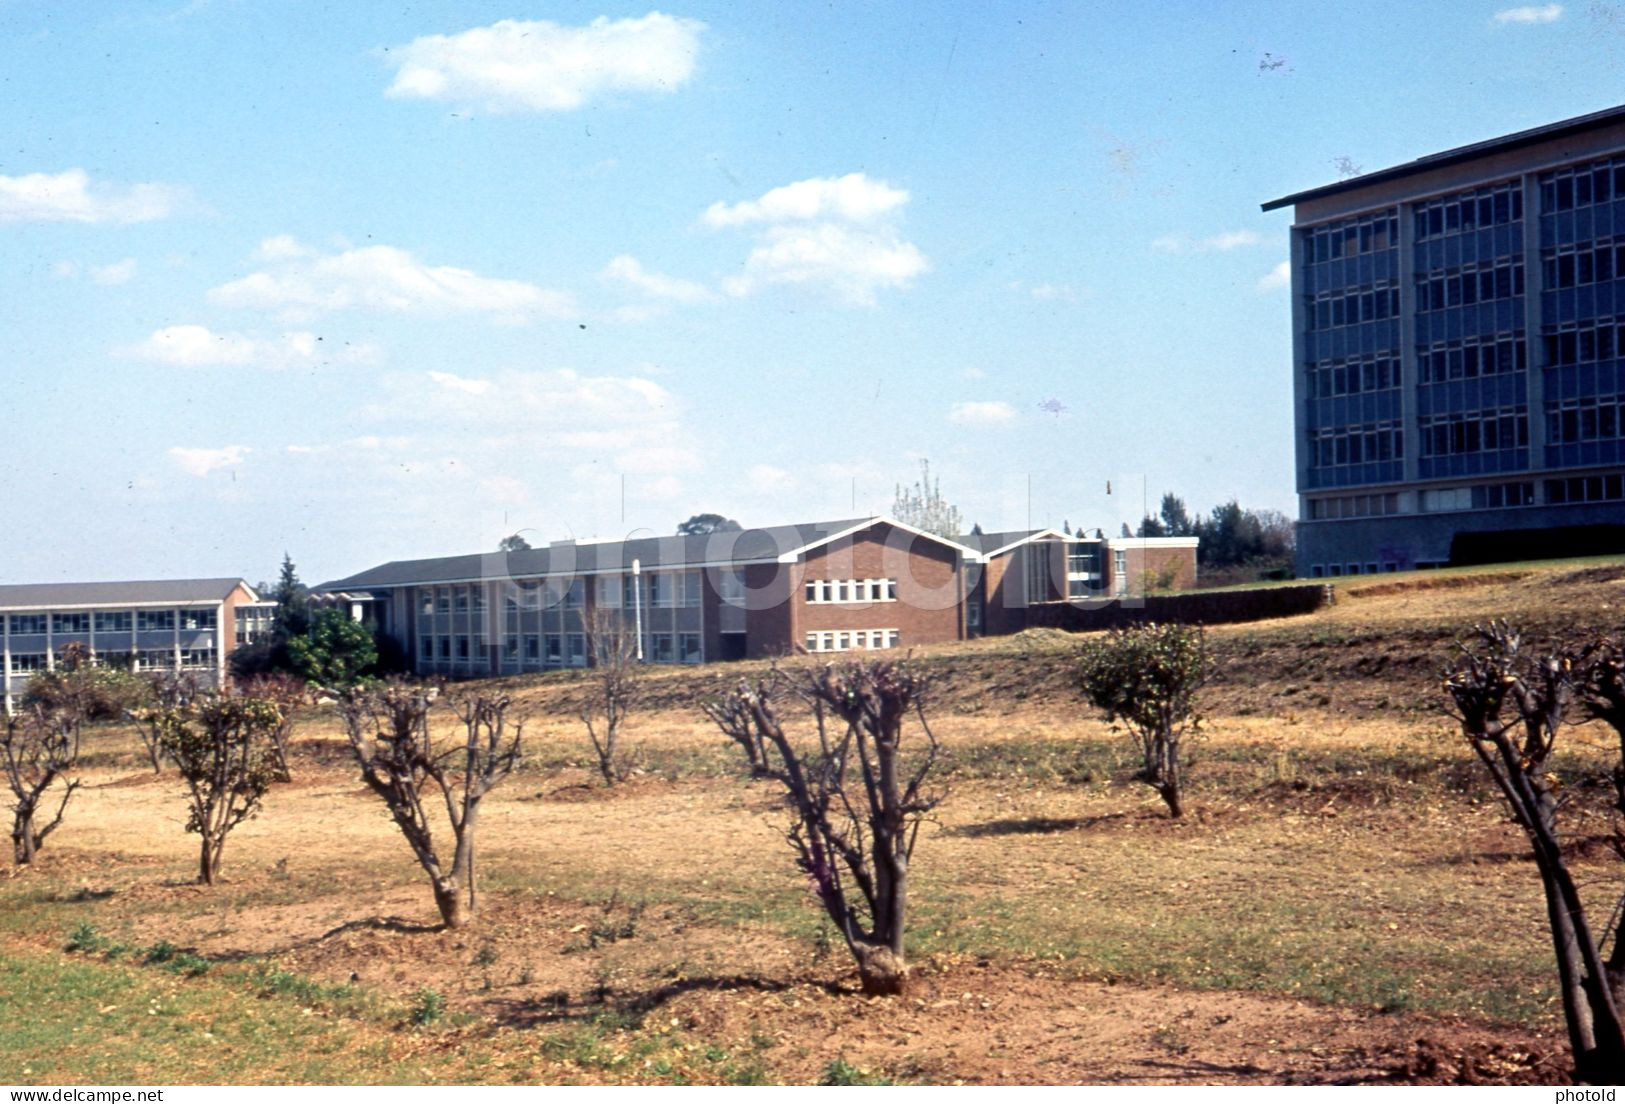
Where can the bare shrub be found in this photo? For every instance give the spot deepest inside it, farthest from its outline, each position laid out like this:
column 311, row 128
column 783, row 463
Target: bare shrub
column 167, row 691
column 1146, row 677
column 1513, row 705
column 389, row 731
column 40, row 747
column 745, row 716
column 858, row 805
column 221, row 747
column 614, row 689
column 289, row 694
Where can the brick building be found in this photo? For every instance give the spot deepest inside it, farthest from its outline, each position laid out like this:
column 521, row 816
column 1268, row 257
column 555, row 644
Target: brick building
column 860, row 584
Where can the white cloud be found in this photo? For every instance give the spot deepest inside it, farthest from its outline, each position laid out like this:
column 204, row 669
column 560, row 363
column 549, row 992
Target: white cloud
column 71, row 197
column 196, row 346
column 983, row 414
column 301, row 283
column 1053, row 293
column 458, row 383
column 850, row 264
column 852, row 198
column 1278, row 277
column 202, row 461
column 119, row 272
column 1549, row 13
column 628, row 270
column 767, row 479
column 1218, row 243
column 516, row 65
column 974, row 373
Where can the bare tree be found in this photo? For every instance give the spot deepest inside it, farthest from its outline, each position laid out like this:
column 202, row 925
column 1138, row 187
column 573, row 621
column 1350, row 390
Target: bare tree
column 167, row 691
column 614, row 689
column 389, row 731
column 40, row 747
column 221, row 746
column 288, row 694
column 746, row 716
column 923, row 506
column 858, row 805
column 1146, row 677
column 1512, row 706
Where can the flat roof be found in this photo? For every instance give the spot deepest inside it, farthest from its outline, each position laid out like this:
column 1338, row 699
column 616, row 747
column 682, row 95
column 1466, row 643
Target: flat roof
column 1577, row 125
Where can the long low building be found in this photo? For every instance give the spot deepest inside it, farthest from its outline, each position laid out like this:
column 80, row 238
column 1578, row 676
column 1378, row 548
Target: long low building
column 174, row 624
column 860, row 584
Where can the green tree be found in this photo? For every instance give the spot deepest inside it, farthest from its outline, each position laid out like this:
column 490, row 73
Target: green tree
column 704, row 524
column 513, row 543
column 292, row 618
column 1146, row 678
column 222, row 748
column 338, row 651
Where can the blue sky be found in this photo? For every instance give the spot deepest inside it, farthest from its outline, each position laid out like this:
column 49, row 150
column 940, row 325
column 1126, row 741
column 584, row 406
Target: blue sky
column 367, row 282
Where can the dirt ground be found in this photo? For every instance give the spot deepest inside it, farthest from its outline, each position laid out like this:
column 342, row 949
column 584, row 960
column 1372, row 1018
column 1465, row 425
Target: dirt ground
column 671, row 900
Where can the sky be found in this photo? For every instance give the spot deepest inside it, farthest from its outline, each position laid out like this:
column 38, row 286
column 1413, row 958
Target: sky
column 365, row 282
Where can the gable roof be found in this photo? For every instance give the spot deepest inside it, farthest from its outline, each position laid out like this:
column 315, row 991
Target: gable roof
column 140, row 593
column 726, row 549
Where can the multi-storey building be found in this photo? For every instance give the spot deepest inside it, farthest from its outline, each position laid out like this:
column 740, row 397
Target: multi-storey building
column 1459, row 354
column 148, row 626
column 863, row 584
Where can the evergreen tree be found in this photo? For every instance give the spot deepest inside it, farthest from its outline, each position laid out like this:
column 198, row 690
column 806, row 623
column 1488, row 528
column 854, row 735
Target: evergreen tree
column 292, row 618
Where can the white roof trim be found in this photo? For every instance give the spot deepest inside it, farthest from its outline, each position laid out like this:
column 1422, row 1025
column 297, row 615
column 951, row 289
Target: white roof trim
column 1035, row 535
column 797, row 553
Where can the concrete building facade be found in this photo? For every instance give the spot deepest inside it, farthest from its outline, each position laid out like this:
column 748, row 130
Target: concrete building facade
column 178, row 624
column 1459, row 354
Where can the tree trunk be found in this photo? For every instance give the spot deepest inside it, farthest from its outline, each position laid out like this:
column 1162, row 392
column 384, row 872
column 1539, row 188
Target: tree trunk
column 1173, row 799
column 882, row 970
column 208, row 867
column 23, row 842
column 449, row 900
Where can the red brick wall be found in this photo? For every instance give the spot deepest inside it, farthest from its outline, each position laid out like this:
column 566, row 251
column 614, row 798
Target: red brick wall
column 930, row 603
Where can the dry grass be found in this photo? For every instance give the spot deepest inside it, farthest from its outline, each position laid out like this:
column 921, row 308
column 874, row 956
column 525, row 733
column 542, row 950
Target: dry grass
column 1347, row 881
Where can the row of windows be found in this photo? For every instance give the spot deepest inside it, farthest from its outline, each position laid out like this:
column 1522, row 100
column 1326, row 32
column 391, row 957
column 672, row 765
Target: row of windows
column 1346, row 239
column 1597, row 182
column 557, row 649
column 1595, row 418
column 851, row 590
column 145, row 659
column 1490, row 356
column 1469, row 286
column 1318, row 571
column 1475, row 431
column 1361, row 444
column 1597, row 341
column 1592, row 263
column 1332, row 378
column 1348, row 308
column 1470, row 211
column 1353, row 506
column 663, row 589
column 110, row 621
column 1490, row 496
column 844, row 640
column 1585, row 488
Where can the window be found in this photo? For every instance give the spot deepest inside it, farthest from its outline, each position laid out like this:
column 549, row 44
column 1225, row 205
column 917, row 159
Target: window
column 688, row 648
column 821, row 591
column 460, row 599
column 445, row 647
column 555, row 651
column 839, row 640
column 477, row 598
column 1585, row 488
column 155, row 620
column 575, row 594
column 197, row 657
column 70, row 622
column 198, row 618
column 733, row 586
column 533, row 647
column 663, row 647
column 426, row 601
column 1598, row 418
column 113, row 622
column 426, row 648
column 578, row 649
column 660, row 589
column 610, row 591
column 28, row 624
column 27, row 661
column 1475, row 431
column 442, row 600
column 153, row 659
column 1468, row 211
column 1474, row 357
column 1353, row 506
column 462, row 648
